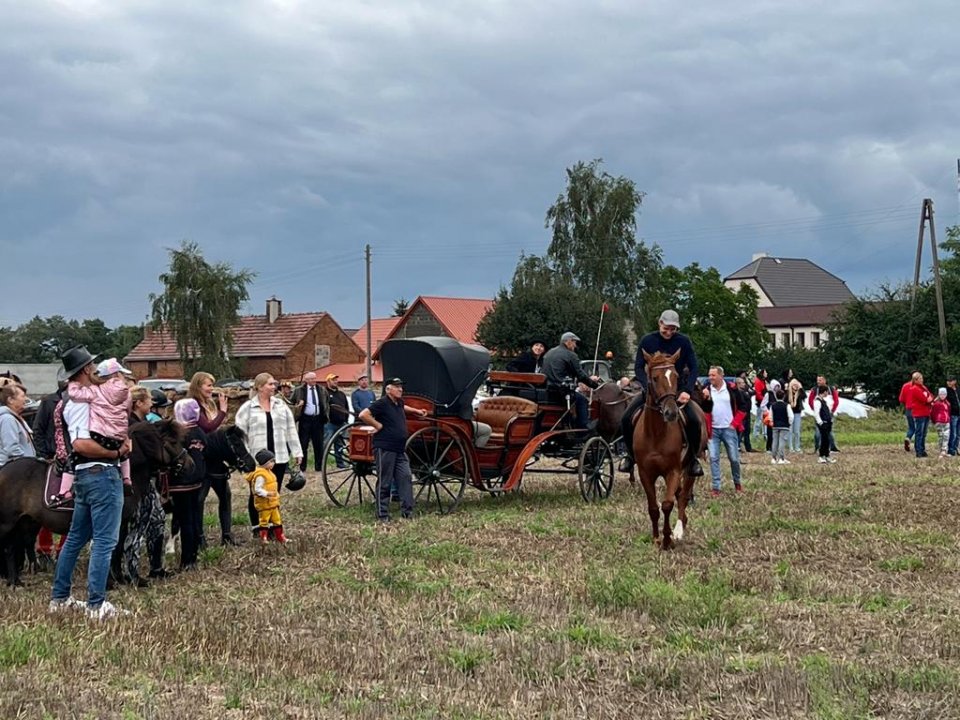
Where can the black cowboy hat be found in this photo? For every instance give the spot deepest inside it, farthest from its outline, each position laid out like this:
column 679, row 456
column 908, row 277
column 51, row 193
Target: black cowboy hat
column 297, row 479
column 159, row 399
column 76, row 359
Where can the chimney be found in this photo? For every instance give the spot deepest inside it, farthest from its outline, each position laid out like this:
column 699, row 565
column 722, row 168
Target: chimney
column 758, row 255
column 274, row 309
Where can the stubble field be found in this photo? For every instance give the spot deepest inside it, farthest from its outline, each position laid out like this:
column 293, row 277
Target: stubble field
column 821, row 592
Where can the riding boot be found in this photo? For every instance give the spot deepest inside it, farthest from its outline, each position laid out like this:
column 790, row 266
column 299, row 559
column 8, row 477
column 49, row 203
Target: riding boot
column 692, row 429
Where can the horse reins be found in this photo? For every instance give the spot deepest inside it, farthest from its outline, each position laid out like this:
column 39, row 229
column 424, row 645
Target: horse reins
column 658, row 399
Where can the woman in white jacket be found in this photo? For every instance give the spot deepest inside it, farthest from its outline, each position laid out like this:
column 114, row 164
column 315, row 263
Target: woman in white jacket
column 269, row 424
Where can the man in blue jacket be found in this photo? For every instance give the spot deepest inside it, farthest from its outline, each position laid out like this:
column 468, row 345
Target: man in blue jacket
column 668, row 340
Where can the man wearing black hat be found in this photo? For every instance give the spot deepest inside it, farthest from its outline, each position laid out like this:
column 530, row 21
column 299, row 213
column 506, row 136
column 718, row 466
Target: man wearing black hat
column 388, row 416
column 562, row 367
column 98, row 504
column 667, row 340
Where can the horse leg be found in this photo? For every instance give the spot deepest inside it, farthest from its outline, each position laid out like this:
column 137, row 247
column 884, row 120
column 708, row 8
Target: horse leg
column 10, row 548
column 686, row 491
column 672, row 483
column 650, row 488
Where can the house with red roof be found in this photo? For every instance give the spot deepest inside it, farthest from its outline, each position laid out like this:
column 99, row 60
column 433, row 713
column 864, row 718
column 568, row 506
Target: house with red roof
column 380, row 329
column 457, row 318
column 284, row 345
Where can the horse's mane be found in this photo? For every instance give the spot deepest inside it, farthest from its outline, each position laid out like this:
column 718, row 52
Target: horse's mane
column 166, row 429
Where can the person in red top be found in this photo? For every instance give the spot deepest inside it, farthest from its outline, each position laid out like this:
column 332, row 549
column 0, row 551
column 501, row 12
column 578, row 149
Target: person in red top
column 834, row 404
column 940, row 417
column 920, row 403
column 759, row 391
column 911, row 429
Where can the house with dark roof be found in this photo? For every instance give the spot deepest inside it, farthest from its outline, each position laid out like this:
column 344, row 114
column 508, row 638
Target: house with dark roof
column 284, row 345
column 797, row 298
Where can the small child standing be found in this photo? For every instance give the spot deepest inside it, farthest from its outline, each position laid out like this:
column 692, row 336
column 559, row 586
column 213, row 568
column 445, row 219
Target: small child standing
column 781, row 415
column 109, row 415
column 266, row 497
column 940, row 416
column 824, row 417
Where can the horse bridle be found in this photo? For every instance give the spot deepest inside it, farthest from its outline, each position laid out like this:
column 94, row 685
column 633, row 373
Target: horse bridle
column 658, row 399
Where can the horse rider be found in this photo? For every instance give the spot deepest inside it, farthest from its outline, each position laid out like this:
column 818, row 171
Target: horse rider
column 562, row 368
column 668, row 340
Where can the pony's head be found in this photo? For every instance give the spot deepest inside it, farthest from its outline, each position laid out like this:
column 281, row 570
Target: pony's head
column 241, row 458
column 662, row 383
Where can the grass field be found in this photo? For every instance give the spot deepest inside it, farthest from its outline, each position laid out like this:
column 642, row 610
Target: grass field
column 823, row 592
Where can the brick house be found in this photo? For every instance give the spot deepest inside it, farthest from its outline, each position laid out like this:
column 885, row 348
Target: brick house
column 797, row 298
column 284, row 345
column 444, row 316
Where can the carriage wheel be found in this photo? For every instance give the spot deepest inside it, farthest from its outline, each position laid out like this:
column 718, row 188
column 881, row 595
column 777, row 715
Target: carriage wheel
column 595, row 472
column 438, row 461
column 356, row 484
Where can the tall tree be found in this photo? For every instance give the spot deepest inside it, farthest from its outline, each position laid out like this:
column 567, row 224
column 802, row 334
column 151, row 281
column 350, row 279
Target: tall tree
column 722, row 324
column 199, row 305
column 539, row 305
column 594, row 244
column 400, row 307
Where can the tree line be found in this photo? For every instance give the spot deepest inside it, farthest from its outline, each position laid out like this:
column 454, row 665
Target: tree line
column 44, row 340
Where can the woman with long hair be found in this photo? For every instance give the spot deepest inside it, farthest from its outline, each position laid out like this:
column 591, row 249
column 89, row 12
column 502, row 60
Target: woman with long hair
column 269, row 425
column 213, row 411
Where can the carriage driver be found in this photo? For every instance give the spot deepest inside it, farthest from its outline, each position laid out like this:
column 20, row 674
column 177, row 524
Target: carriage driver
column 667, row 340
column 562, row 367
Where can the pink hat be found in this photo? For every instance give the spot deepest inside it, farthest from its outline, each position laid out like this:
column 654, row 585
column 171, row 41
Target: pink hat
column 111, row 366
column 186, row 411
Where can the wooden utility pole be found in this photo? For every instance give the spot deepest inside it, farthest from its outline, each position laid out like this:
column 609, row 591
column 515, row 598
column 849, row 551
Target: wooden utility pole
column 369, row 320
column 926, row 217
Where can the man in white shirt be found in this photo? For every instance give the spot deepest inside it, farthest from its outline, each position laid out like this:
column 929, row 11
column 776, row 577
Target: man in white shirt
column 98, row 504
column 726, row 416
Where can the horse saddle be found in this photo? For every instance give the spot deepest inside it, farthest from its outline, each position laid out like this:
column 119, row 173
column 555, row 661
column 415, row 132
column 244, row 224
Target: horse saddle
column 51, row 491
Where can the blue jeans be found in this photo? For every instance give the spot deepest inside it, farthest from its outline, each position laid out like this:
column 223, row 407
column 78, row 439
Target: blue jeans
column 954, row 426
column 911, row 425
column 98, row 505
column 920, row 424
column 794, row 443
column 328, row 430
column 727, row 436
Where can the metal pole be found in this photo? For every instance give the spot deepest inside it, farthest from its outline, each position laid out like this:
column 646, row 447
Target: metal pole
column 916, row 270
column 369, row 321
column 936, row 278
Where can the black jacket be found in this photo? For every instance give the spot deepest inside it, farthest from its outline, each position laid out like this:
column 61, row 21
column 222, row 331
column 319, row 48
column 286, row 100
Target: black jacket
column 339, row 412
column 952, row 398
column 526, row 362
column 43, row 438
column 300, row 395
column 686, row 364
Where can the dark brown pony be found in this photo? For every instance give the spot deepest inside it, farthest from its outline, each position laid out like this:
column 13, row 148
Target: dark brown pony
column 156, row 446
column 658, row 447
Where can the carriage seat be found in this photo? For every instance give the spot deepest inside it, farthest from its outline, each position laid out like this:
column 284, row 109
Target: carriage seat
column 498, row 411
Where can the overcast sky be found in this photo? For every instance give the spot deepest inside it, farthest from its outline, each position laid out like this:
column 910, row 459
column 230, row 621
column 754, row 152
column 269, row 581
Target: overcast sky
column 283, row 136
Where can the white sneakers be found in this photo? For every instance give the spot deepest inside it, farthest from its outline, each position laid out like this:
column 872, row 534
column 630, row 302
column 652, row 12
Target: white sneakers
column 106, row 610
column 781, row 461
column 825, row 460
column 65, row 605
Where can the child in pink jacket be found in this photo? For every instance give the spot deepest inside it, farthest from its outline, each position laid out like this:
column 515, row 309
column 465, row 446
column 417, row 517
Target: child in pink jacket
column 109, row 414
column 940, row 417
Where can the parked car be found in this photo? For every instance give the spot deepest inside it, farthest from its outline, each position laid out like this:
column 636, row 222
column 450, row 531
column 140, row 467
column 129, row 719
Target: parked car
column 179, row 385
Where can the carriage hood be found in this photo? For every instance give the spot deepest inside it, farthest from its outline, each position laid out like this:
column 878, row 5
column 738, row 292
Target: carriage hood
column 441, row 369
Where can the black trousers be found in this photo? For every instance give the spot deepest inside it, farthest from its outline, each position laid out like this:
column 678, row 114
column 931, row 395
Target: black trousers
column 825, row 430
column 221, row 486
column 280, row 469
column 310, row 430
column 186, row 508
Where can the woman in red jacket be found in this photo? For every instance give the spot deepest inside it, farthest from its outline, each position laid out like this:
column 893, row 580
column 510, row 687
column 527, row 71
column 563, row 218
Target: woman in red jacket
column 920, row 403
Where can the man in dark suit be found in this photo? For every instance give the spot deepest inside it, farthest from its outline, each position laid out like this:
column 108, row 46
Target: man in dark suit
column 312, row 405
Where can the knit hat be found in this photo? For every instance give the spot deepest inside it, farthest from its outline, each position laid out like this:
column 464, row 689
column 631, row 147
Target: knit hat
column 263, row 457
column 942, row 392
column 186, row 411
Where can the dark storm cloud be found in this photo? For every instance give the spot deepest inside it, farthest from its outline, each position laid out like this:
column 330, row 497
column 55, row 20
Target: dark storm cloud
column 284, row 136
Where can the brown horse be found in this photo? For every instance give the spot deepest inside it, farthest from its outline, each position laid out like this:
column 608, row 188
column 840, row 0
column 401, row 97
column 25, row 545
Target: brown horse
column 22, row 482
column 658, row 447
column 607, row 405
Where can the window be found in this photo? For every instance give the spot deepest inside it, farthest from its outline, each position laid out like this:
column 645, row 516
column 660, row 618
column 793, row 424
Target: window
column 785, row 339
column 773, row 340
column 321, row 355
column 815, row 339
column 801, row 339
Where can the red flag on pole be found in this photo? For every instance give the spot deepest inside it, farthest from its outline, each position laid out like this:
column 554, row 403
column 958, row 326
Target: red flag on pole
column 606, row 308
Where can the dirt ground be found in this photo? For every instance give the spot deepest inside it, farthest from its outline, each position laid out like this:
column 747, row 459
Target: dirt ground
column 820, row 592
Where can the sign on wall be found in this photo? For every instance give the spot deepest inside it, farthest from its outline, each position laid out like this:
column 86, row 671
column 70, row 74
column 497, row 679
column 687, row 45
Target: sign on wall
column 321, row 355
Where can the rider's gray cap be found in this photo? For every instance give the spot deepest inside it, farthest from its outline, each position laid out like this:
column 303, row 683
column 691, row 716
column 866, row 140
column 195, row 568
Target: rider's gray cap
column 670, row 317
column 568, row 336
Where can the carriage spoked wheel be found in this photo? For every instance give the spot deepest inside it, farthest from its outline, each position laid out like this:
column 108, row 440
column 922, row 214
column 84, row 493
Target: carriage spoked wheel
column 595, row 472
column 438, row 461
column 354, row 484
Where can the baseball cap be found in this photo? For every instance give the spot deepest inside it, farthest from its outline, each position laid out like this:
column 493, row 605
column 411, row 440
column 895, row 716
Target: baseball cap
column 670, row 317
column 395, row 381
column 111, row 366
column 331, row 376
column 363, row 375
column 569, row 336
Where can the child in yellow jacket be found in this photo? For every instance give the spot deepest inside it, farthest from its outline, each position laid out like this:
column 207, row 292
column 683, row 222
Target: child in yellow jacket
column 266, row 497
